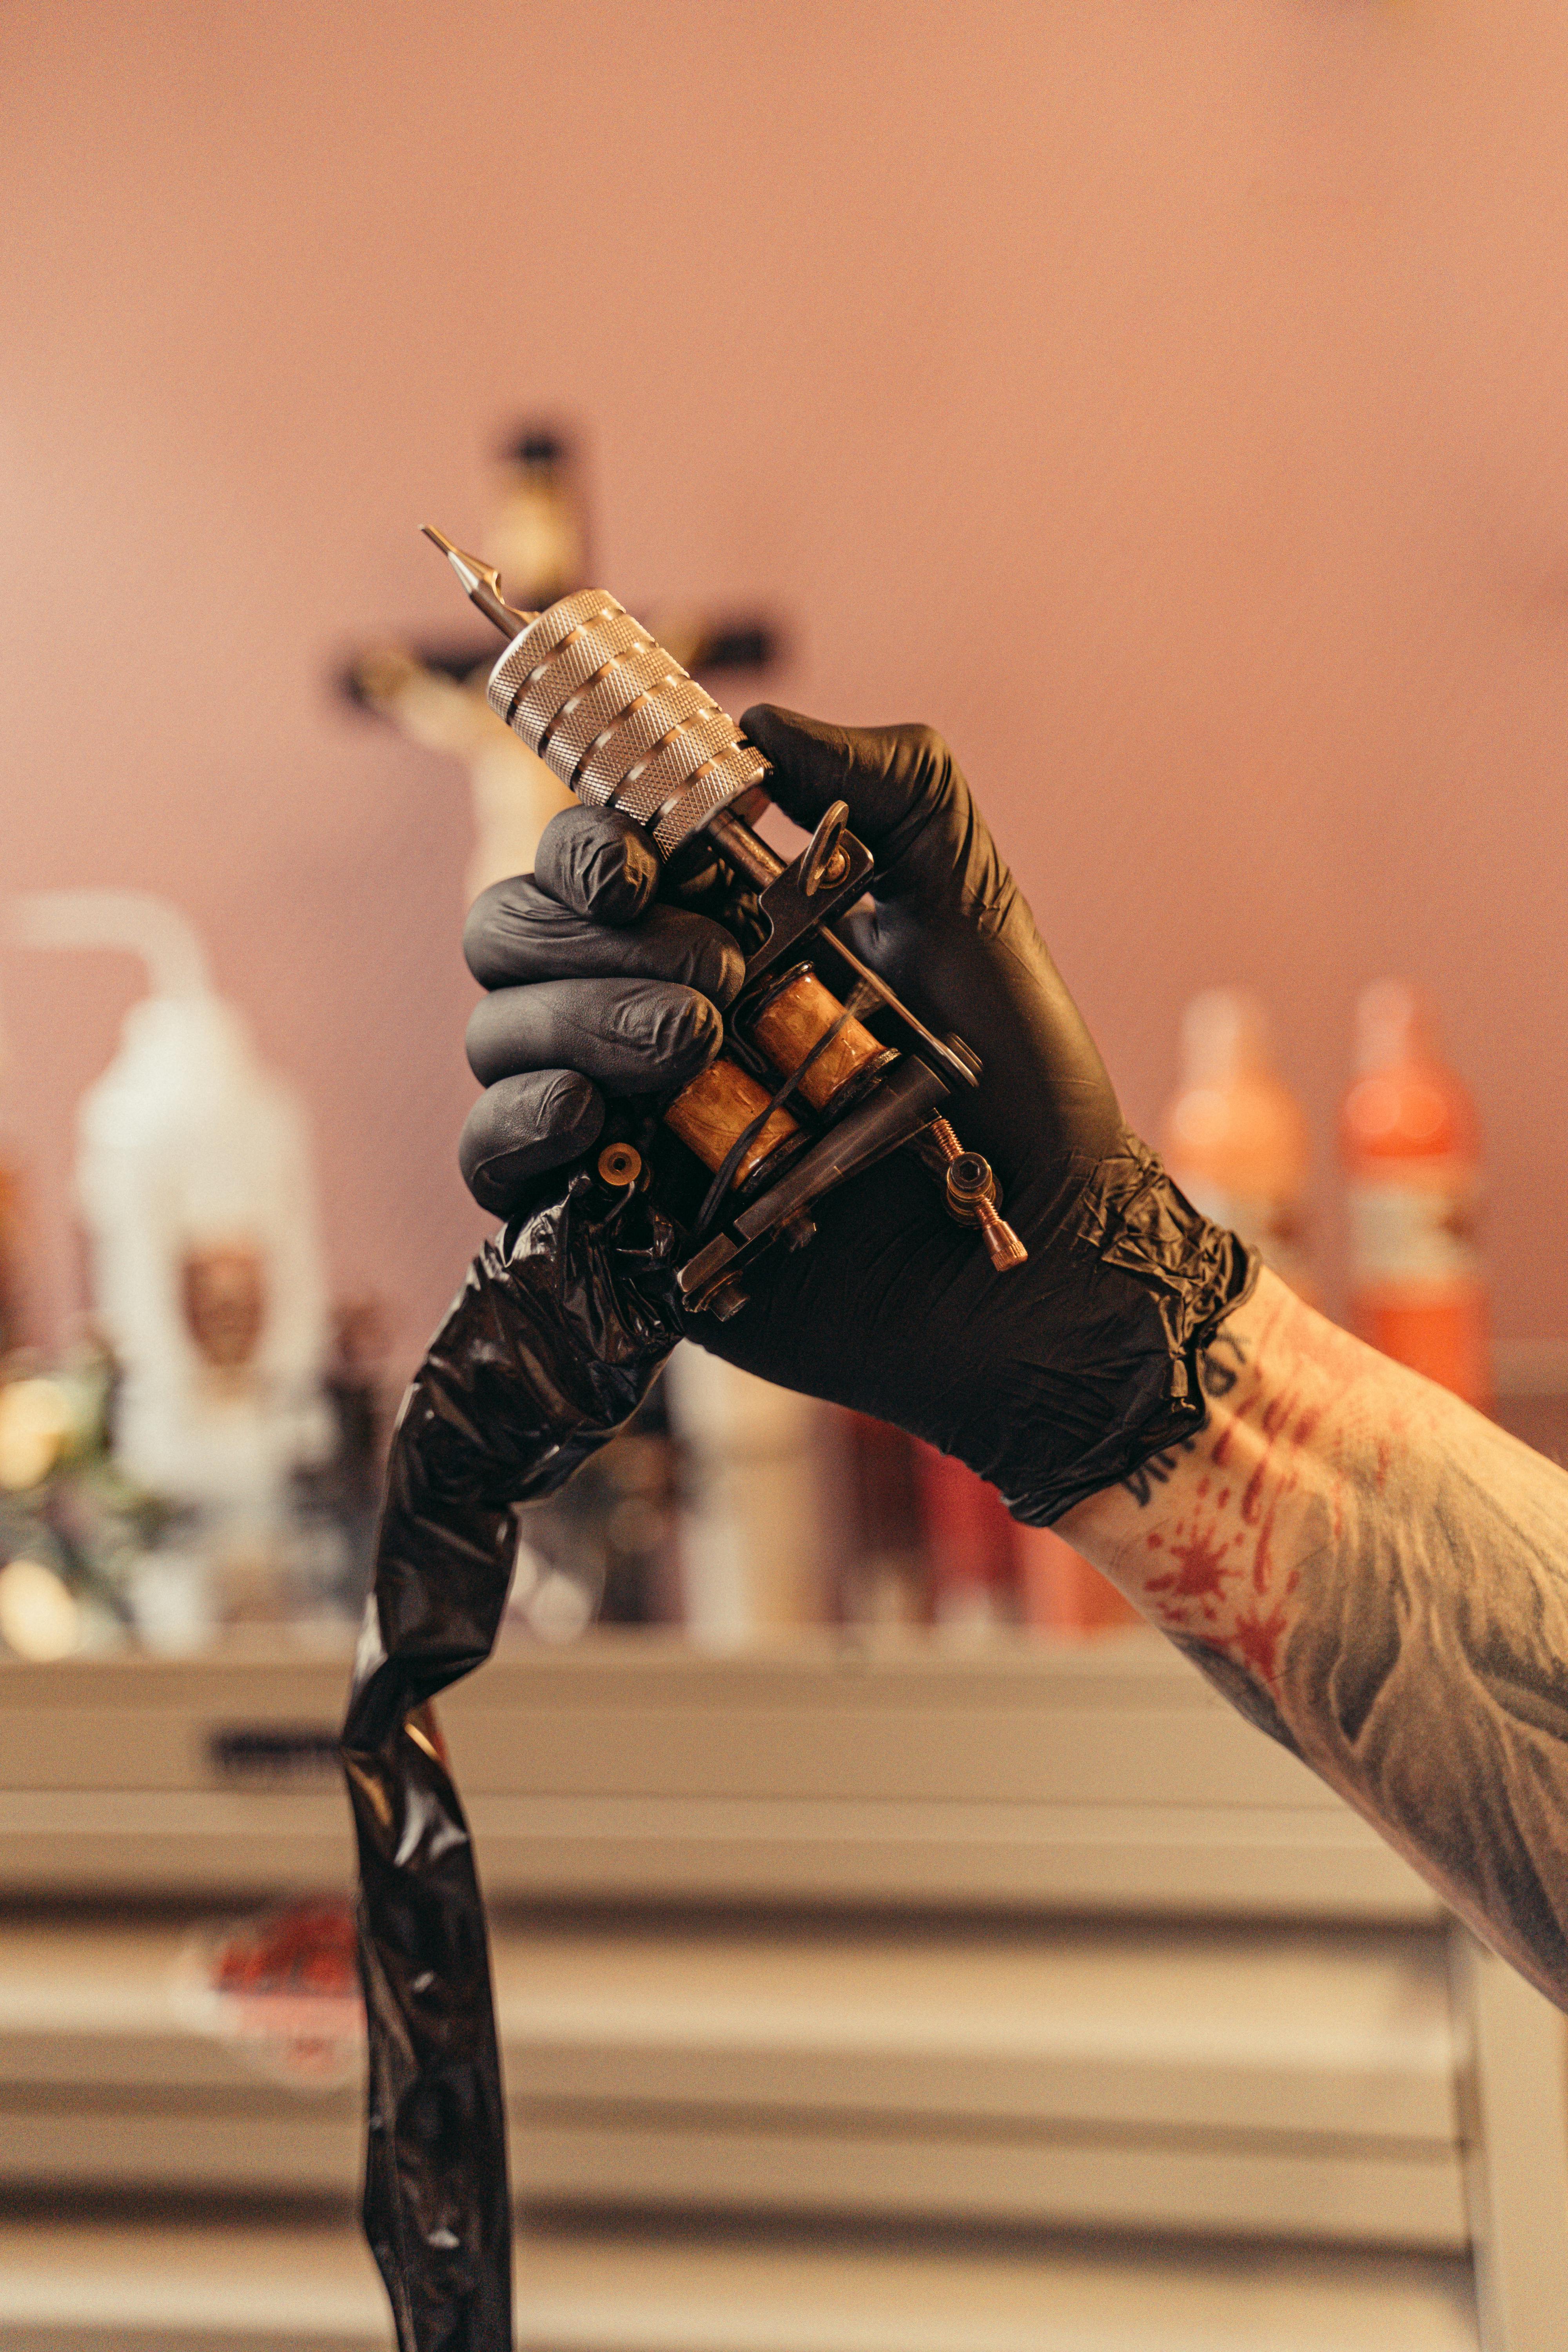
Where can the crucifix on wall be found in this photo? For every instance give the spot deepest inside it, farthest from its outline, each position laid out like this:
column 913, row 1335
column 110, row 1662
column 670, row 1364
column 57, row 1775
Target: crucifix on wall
column 434, row 693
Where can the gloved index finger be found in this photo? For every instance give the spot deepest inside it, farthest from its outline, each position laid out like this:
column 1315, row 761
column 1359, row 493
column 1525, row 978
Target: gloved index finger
column 517, row 932
column 907, row 801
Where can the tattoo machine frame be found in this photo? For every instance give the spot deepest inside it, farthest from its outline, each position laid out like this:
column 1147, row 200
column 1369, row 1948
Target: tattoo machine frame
column 801, row 1095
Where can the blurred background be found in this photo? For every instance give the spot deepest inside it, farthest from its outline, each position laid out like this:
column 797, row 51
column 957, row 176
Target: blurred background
column 1163, row 401
column 1166, row 403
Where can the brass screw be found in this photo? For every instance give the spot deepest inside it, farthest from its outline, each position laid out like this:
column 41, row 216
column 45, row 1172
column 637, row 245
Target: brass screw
column 1003, row 1246
column 620, row 1163
column 969, row 1182
column 972, row 1198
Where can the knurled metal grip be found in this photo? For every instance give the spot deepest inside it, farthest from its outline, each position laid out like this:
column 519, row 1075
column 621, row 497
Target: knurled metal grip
column 619, row 719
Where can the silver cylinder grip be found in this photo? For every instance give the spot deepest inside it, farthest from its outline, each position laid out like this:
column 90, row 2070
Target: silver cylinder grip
column 619, row 722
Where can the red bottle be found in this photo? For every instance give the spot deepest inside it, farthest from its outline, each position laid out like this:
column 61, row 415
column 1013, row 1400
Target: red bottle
column 1411, row 1147
column 972, row 1543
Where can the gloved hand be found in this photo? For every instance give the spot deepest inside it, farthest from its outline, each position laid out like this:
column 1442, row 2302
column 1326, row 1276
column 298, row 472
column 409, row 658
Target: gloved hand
column 1053, row 1380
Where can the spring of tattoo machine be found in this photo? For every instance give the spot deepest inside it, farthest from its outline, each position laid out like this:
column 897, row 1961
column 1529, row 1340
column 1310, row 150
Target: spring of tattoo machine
column 801, row 1095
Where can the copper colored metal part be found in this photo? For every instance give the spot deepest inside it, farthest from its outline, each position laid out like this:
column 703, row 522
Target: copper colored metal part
column 1003, row 1246
column 970, row 1184
column 713, row 1109
column 972, row 1194
column 798, row 1012
column 620, row 1163
column 825, row 860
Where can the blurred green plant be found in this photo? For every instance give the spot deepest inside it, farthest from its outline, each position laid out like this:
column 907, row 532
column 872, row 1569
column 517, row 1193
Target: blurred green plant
column 73, row 1529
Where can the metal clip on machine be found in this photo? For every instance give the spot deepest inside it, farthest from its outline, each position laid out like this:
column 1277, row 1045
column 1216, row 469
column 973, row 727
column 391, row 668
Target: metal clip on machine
column 803, row 1094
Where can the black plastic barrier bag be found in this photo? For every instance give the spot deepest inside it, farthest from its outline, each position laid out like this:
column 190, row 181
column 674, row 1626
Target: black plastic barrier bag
column 561, row 1324
column 1096, row 1348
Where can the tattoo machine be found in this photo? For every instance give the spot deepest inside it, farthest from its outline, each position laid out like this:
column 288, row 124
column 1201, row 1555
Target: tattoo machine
column 801, row 1095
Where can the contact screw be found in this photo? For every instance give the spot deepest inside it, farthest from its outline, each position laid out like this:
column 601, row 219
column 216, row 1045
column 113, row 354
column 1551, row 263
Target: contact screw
column 1003, row 1246
column 972, row 1193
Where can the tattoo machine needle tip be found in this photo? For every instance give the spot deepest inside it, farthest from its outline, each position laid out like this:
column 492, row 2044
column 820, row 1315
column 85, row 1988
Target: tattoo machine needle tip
column 481, row 584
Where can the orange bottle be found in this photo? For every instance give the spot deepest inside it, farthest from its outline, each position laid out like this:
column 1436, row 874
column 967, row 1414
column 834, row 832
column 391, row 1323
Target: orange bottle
column 1235, row 1137
column 1411, row 1146
column 986, row 1570
column 1064, row 1593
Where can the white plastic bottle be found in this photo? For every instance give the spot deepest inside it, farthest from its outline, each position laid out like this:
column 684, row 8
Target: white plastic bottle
column 194, row 1184
column 749, row 1534
column 1236, row 1138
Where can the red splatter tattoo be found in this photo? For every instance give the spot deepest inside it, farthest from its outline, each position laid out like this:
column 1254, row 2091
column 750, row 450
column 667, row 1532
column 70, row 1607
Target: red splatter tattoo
column 1200, row 1571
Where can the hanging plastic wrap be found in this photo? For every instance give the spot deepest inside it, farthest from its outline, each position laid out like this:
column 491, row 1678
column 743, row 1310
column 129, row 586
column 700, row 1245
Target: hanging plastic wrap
column 564, row 1320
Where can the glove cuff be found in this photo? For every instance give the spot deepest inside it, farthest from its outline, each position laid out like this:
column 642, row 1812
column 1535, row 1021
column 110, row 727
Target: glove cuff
column 1156, row 1281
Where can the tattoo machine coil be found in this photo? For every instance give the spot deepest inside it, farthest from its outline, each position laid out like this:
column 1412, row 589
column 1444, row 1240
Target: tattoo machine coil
column 801, row 1095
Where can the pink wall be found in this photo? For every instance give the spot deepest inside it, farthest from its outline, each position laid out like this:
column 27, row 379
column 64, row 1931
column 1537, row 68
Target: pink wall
column 1166, row 400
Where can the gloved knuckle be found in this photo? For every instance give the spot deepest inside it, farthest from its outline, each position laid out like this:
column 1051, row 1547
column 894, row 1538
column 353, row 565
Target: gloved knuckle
column 599, row 863
column 718, row 967
column 481, row 929
column 474, row 1042
column 566, row 1106
column 928, row 759
column 691, row 1032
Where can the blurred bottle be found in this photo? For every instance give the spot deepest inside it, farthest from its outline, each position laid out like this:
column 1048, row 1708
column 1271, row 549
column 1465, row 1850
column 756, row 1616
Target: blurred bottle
column 604, row 1547
column 985, row 1570
column 1411, row 1147
column 337, row 1500
column 749, row 1538
column 194, row 1183
column 972, row 1544
column 1064, row 1593
column 877, row 1564
column 1236, row 1138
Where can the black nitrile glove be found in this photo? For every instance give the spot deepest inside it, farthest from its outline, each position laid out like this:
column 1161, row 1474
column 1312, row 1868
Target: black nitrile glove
column 1052, row 1381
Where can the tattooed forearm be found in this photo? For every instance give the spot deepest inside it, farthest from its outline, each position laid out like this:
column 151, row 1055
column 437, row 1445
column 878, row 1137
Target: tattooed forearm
column 1377, row 1576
